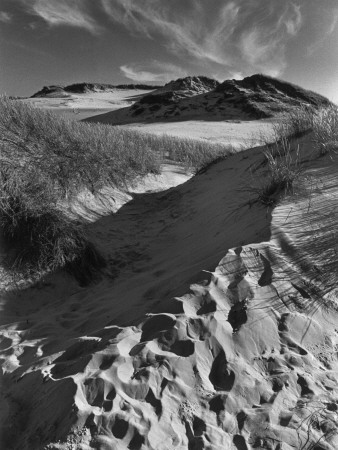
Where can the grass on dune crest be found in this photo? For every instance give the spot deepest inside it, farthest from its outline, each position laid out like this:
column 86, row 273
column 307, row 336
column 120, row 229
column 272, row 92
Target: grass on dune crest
column 282, row 157
column 325, row 129
column 294, row 124
column 283, row 168
column 46, row 160
column 323, row 124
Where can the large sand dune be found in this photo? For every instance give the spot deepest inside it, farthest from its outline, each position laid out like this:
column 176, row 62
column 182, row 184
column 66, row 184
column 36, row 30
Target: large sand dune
column 213, row 326
column 200, row 98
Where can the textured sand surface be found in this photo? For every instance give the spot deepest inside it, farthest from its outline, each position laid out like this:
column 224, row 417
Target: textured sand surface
column 213, row 327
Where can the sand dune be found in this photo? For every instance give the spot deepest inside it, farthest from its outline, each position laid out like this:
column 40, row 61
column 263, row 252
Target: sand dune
column 213, row 326
column 200, row 98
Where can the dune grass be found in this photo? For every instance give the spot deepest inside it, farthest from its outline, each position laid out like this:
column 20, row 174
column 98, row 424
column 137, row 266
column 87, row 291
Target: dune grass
column 294, row 124
column 323, row 124
column 325, row 130
column 46, row 160
column 191, row 153
column 282, row 157
column 283, row 169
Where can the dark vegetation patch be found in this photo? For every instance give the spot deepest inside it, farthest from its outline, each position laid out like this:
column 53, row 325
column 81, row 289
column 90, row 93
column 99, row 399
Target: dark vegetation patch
column 45, row 161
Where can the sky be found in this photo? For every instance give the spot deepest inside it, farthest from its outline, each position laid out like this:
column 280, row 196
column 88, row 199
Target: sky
column 45, row 42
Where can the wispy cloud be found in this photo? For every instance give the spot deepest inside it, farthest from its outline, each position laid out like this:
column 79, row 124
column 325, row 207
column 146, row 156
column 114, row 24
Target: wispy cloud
column 184, row 32
column 263, row 46
column 292, row 19
column 259, row 52
column 5, row 17
column 222, row 35
column 153, row 72
column 73, row 13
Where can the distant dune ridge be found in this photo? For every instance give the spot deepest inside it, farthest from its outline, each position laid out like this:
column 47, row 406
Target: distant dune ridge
column 254, row 97
column 57, row 91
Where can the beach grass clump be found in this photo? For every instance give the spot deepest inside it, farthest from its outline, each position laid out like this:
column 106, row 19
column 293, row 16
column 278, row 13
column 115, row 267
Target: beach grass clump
column 283, row 169
column 323, row 123
column 46, row 160
column 282, row 157
column 325, row 130
column 294, row 124
column 39, row 236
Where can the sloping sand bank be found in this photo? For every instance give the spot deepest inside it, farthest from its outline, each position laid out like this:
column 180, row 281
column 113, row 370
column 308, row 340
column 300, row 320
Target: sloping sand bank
column 244, row 358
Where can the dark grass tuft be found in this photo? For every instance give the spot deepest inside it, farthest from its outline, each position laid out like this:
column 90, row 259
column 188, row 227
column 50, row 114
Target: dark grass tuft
column 48, row 241
column 45, row 161
column 283, row 169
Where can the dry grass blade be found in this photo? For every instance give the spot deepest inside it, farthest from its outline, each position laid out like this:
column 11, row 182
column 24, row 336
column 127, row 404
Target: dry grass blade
column 326, row 131
column 283, row 169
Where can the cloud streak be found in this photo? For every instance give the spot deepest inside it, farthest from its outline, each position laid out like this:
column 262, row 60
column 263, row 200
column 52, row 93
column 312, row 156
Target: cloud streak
column 74, row 13
column 182, row 33
column 154, row 72
column 222, row 35
column 263, row 46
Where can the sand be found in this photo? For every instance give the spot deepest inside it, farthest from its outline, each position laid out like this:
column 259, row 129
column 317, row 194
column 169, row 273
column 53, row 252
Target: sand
column 81, row 106
column 113, row 108
column 214, row 325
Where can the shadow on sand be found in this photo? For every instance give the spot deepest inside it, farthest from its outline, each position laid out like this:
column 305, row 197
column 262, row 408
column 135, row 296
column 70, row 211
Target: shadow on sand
column 156, row 246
